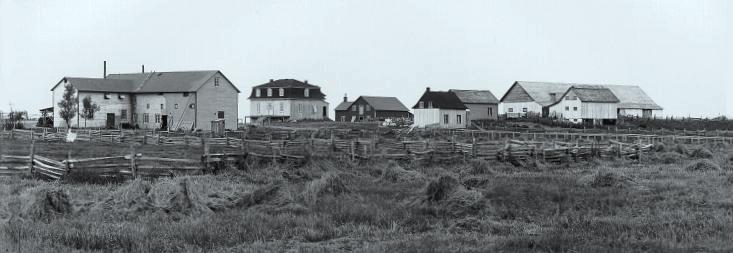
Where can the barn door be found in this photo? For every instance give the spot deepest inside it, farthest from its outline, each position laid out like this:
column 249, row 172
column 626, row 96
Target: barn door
column 110, row 120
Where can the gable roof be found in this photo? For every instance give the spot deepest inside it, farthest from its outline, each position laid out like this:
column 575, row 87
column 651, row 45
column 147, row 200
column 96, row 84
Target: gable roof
column 540, row 91
column 286, row 83
column 180, row 81
column 292, row 90
column 343, row 106
column 476, row 96
column 385, row 103
column 593, row 93
column 632, row 97
column 441, row 100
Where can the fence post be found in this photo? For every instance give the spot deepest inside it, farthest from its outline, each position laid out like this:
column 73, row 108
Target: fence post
column 352, row 150
column 68, row 162
column 31, row 156
column 205, row 146
column 473, row 147
column 133, row 168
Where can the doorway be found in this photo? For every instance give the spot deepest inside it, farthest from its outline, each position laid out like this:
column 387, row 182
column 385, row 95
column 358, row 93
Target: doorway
column 110, row 120
column 164, row 122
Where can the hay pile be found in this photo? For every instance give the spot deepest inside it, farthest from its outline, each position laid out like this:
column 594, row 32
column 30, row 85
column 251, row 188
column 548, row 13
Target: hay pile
column 44, row 203
column 330, row 184
column 669, row 157
column 701, row 152
column 445, row 195
column 681, row 149
column 394, row 173
column 660, row 147
column 602, row 179
column 702, row 165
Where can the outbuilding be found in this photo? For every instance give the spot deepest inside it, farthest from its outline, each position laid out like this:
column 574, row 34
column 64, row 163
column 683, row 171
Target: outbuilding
column 440, row 109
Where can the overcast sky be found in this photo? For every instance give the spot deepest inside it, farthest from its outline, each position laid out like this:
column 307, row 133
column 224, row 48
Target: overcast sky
column 680, row 52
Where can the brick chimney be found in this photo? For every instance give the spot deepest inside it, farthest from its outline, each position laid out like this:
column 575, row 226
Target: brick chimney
column 306, row 81
column 272, row 80
column 427, row 89
column 143, row 68
column 104, row 74
column 346, row 98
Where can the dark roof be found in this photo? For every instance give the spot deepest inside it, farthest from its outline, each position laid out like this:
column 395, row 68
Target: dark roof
column 286, row 83
column 441, row 99
column 343, row 106
column 385, row 103
column 180, row 81
column 593, row 93
column 476, row 96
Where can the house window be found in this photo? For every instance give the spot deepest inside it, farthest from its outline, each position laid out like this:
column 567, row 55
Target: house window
column 148, row 106
column 353, row 108
column 282, row 92
column 161, row 107
column 157, row 118
column 185, row 94
column 269, row 107
column 216, row 81
column 575, row 108
column 257, row 93
column 146, row 117
column 421, row 105
column 269, row 92
column 176, row 106
column 446, row 119
column 491, row 111
column 306, row 92
column 282, row 107
column 430, row 104
column 567, row 108
column 511, row 109
column 220, row 114
column 123, row 114
column 524, row 109
column 258, row 108
column 134, row 117
column 300, row 108
column 121, row 96
column 106, row 95
column 458, row 119
column 368, row 108
column 343, row 118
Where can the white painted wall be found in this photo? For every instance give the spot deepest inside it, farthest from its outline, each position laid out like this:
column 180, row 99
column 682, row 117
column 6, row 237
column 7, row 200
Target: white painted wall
column 598, row 110
column 570, row 110
column 434, row 117
column 141, row 107
column 114, row 105
column 518, row 107
column 633, row 112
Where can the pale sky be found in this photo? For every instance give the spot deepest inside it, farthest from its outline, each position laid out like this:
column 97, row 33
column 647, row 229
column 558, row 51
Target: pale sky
column 679, row 52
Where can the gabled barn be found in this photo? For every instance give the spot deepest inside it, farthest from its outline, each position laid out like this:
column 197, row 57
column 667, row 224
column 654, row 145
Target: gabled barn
column 634, row 102
column 531, row 98
column 590, row 104
column 440, row 109
column 154, row 100
column 371, row 108
column 482, row 104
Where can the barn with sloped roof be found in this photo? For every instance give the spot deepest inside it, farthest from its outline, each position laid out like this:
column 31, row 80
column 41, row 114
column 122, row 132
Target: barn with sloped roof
column 589, row 104
column 371, row 108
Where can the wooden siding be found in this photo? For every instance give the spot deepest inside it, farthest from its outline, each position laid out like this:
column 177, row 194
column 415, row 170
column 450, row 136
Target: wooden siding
column 182, row 117
column 367, row 115
column 141, row 108
column 113, row 105
column 598, row 110
column 434, row 117
column 518, row 106
column 211, row 99
column 481, row 111
column 517, row 94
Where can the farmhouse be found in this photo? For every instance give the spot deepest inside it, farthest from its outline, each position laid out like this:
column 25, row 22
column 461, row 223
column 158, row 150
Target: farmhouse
column 481, row 104
column 525, row 99
column 153, row 100
column 441, row 109
column 634, row 102
column 369, row 108
column 287, row 99
column 590, row 104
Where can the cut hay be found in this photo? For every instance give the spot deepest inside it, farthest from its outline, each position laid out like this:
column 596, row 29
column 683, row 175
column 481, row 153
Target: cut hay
column 479, row 166
column 330, row 184
column 701, row 152
column 669, row 157
column 681, row 149
column 394, row 173
column 703, row 165
column 447, row 196
column 44, row 203
column 660, row 147
column 602, row 179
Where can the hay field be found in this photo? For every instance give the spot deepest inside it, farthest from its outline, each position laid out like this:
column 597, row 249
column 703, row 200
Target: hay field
column 678, row 199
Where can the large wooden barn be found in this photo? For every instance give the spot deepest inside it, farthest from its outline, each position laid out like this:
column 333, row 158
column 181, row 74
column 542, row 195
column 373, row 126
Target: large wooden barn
column 371, row 108
column 634, row 102
column 440, row 109
column 287, row 99
column 589, row 104
column 153, row 100
column 481, row 104
column 525, row 99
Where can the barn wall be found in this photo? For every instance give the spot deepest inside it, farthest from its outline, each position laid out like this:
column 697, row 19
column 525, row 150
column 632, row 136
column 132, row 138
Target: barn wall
column 113, row 105
column 182, row 117
column 531, row 107
column 517, row 94
column 481, row 111
column 598, row 110
column 434, row 117
column 565, row 109
column 149, row 103
column 212, row 99
column 627, row 112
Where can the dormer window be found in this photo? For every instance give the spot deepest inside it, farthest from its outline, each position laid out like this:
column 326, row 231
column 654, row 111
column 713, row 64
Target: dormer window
column 306, row 92
column 269, row 92
column 282, row 92
column 258, row 93
column 121, row 96
column 107, row 95
column 430, row 104
column 421, row 104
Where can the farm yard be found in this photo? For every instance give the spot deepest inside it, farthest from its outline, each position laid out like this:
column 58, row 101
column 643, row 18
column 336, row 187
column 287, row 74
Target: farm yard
column 358, row 187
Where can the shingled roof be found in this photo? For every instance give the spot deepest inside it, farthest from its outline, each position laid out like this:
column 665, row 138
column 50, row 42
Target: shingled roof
column 476, row 96
column 149, row 82
column 385, row 103
column 632, row 97
column 593, row 93
column 441, row 99
column 540, row 91
column 286, row 83
column 343, row 106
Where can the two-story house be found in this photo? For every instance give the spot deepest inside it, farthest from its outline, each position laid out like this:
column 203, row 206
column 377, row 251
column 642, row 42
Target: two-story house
column 287, row 99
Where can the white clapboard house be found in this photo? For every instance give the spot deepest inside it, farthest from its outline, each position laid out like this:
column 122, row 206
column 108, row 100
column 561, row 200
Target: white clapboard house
column 440, row 109
column 589, row 104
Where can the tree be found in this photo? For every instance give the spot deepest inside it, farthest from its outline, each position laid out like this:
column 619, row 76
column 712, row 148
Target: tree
column 68, row 105
column 89, row 108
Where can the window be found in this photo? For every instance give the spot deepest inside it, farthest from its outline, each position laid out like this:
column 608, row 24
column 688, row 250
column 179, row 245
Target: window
column 300, row 108
column 157, row 118
column 134, row 118
column 575, row 120
column 148, row 106
column 269, row 107
column 575, row 108
column 511, row 109
column 306, row 92
column 121, row 96
column 567, row 108
column 524, row 109
column 220, row 114
column 258, row 108
column 269, row 92
column 282, row 106
column 421, row 104
column 353, row 108
column 368, row 108
column 146, row 118
column 315, row 109
column 106, row 95
column 491, row 111
column 430, row 104
column 123, row 114
column 175, row 106
column 161, row 107
column 257, row 92
column 282, row 92
column 216, row 81
column 185, row 94
column 458, row 119
column 192, row 106
column 567, row 97
column 446, row 119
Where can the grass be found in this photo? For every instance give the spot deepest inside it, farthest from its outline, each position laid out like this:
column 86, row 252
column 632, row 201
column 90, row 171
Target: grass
column 658, row 205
